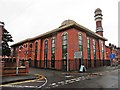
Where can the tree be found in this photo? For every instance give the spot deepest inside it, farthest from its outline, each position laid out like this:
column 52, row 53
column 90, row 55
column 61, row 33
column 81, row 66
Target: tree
column 6, row 37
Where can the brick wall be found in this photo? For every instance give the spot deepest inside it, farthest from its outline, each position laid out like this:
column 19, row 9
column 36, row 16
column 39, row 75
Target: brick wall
column 73, row 46
column 11, row 70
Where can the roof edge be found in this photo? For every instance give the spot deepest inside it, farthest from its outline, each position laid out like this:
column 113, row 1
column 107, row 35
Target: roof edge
column 58, row 29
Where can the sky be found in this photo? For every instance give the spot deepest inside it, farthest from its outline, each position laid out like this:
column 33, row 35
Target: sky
column 29, row 18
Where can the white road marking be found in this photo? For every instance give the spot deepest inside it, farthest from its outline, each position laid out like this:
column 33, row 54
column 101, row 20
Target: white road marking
column 60, row 83
column 25, row 86
column 56, row 86
column 68, row 76
column 19, row 86
column 43, row 84
column 53, row 84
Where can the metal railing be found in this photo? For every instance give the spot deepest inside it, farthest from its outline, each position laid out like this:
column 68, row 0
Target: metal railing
column 73, row 64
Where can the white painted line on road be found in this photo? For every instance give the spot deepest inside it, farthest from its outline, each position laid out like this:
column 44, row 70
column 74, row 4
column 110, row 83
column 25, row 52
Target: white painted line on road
column 61, row 82
column 43, row 84
column 53, row 84
column 19, row 86
column 69, row 81
column 68, row 76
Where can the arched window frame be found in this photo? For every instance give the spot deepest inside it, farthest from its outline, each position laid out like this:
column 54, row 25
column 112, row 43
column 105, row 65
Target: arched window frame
column 94, row 48
column 80, row 42
column 64, row 45
column 88, row 48
column 102, row 47
column 46, row 46
column 31, row 45
column 45, row 49
column 53, row 48
column 36, row 49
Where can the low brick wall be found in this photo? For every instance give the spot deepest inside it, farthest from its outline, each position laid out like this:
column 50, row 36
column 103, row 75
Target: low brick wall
column 8, row 71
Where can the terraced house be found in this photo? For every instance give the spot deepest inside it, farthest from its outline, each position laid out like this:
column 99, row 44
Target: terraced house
column 55, row 49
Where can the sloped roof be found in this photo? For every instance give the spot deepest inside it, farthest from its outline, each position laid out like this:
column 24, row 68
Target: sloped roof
column 65, row 24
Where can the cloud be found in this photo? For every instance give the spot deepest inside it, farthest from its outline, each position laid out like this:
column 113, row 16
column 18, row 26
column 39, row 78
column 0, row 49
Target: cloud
column 28, row 18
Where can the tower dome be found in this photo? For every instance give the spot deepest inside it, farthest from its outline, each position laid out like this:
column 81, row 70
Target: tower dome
column 98, row 13
column 98, row 9
column 66, row 22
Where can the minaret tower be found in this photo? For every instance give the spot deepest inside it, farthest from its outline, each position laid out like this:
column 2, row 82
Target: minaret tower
column 1, row 28
column 2, row 24
column 98, row 19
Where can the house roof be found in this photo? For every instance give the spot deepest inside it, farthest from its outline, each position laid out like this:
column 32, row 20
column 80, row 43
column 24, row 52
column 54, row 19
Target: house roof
column 65, row 24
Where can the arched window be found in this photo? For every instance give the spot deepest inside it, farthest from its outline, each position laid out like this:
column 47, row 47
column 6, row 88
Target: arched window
column 102, row 49
column 36, row 46
column 94, row 48
column 88, row 47
column 35, row 57
column 46, row 46
column 64, row 46
column 80, row 42
column 31, row 45
column 53, row 47
column 53, row 52
column 45, row 53
column 88, row 52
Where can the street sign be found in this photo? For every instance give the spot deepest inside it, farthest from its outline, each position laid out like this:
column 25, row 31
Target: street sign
column 112, row 56
column 78, row 55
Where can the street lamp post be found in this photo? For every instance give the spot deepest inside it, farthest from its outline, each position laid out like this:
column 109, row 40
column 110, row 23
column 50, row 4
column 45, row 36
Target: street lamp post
column 17, row 66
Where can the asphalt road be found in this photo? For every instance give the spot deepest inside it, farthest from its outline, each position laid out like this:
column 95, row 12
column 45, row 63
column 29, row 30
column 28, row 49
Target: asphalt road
column 108, row 80
column 58, row 80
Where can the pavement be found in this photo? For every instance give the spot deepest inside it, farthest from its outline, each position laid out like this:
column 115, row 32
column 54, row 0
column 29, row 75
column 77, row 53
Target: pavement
column 102, row 69
column 48, row 73
column 11, row 79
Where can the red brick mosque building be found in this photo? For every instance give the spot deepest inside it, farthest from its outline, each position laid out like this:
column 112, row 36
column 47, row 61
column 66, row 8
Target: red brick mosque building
column 56, row 49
